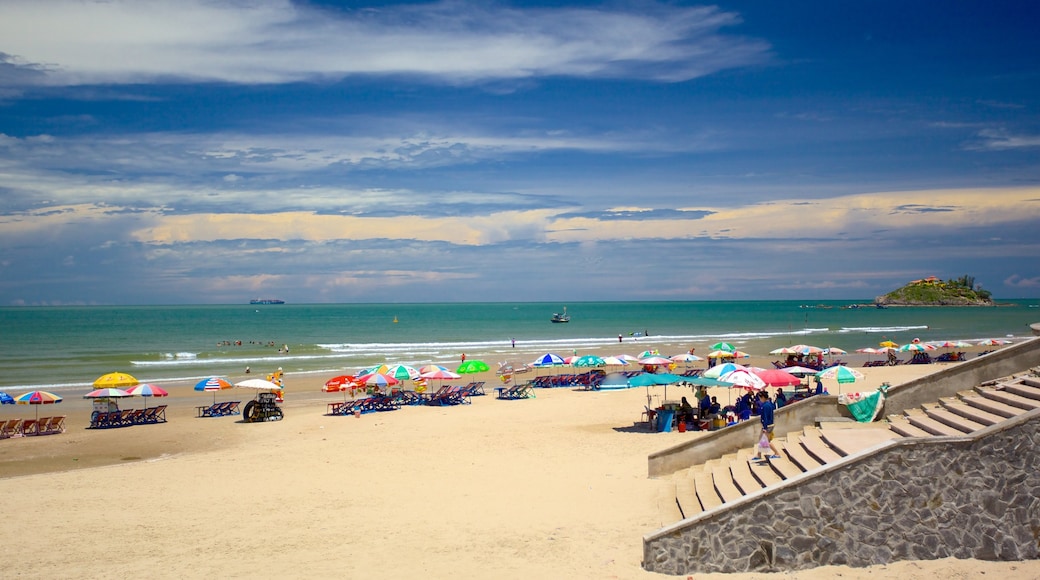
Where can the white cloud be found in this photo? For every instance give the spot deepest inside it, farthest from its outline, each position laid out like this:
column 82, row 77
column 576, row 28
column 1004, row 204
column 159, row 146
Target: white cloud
column 999, row 139
column 120, row 41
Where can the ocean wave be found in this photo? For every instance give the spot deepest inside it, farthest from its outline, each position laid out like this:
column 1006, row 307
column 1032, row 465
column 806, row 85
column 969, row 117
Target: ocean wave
column 868, row 329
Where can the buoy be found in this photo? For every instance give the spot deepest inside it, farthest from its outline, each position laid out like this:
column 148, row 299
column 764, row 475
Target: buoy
column 395, row 320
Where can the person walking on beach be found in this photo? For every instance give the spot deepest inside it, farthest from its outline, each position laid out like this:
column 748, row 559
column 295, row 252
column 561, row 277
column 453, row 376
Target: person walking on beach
column 514, row 343
column 619, row 338
column 463, row 357
column 765, row 410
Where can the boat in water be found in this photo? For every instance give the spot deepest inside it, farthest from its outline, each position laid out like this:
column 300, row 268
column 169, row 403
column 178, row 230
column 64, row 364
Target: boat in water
column 558, row 318
column 266, row 301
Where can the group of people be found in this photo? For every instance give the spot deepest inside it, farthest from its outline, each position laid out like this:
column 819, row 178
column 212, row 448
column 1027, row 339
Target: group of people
column 708, row 408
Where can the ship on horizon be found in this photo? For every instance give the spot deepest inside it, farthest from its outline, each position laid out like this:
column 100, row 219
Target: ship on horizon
column 266, row 301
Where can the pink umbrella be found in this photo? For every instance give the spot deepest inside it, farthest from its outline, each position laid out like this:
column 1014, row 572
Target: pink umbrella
column 147, row 390
column 777, row 378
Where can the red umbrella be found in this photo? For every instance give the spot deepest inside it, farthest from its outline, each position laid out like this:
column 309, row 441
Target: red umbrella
column 777, row 378
column 337, row 383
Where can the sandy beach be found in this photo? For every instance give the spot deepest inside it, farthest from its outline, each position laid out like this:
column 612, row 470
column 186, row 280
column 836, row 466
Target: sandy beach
column 551, row 487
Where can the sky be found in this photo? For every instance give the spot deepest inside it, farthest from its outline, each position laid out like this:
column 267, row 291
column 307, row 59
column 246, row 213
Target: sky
column 213, row 151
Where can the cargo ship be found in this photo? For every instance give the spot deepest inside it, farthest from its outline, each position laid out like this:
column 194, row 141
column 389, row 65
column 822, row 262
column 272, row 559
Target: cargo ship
column 266, row 301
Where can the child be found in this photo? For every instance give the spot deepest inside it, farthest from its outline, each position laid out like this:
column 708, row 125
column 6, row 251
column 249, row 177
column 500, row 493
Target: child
column 766, row 408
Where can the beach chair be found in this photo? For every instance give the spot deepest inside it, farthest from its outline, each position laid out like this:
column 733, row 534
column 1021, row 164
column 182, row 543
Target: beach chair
column 10, row 428
column 153, row 415
column 232, row 408
column 29, row 427
column 136, row 417
column 56, row 425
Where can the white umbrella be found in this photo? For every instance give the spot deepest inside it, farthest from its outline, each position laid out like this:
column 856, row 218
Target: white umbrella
column 260, row 384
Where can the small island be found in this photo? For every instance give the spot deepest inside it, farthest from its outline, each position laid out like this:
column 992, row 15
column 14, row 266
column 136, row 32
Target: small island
column 932, row 291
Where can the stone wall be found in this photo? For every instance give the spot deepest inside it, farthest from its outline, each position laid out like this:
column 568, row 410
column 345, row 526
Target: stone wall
column 909, row 499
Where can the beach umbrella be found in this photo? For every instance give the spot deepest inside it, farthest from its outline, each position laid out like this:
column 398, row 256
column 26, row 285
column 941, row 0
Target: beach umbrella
column 685, row 358
column 147, row 390
column 472, row 366
column 740, row 354
column 628, row 357
column 213, row 384
column 785, row 350
column 841, row 373
column 259, row 384
column 380, row 369
column 744, row 378
column 548, row 360
column 378, row 380
column 431, row 368
column 777, row 377
column 799, row 371
column 649, row 353
column 440, row 375
column 830, row 350
column 6, row 399
column 337, row 383
column 720, row 354
column 809, row 349
column 613, row 361
column 403, row 372
column 867, row 350
column 655, row 361
column 993, row 342
column 916, row 347
column 888, row 343
column 37, row 398
column 717, row 371
column 108, row 393
column 723, row 346
column 116, row 380
column 589, row 360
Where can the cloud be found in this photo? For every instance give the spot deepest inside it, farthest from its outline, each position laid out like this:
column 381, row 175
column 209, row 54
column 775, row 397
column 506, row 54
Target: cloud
column 1017, row 281
column 999, row 140
column 148, row 41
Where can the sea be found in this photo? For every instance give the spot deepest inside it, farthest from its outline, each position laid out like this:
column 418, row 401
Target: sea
column 61, row 348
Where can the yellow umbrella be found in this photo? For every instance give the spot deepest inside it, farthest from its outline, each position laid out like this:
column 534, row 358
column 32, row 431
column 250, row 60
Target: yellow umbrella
column 115, row 380
column 889, row 344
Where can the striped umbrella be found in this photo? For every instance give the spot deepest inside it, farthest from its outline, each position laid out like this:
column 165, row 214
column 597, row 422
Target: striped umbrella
column 403, row 372
column 213, row 384
column 841, row 373
column 107, row 394
column 548, row 360
column 147, row 390
column 589, row 360
column 37, row 398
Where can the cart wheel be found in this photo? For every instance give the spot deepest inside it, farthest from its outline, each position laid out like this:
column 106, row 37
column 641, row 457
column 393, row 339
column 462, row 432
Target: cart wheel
column 276, row 415
column 250, row 411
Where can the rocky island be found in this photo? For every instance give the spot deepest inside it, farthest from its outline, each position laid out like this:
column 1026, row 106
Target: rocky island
column 932, row 291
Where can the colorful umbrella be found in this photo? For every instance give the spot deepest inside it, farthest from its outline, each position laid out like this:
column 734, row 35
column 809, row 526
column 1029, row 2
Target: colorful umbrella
column 337, row 383
column 720, row 354
column 717, row 371
column 213, row 384
column 378, row 380
column 589, row 360
column 834, row 350
column 431, row 369
column 785, row 350
column 993, row 342
column 723, row 346
column 628, row 357
column 116, row 380
column 916, row 347
column 107, row 394
column 649, row 353
column 147, row 390
column 403, row 372
column 777, row 378
column 472, row 366
column 655, row 361
column 441, row 374
column 685, row 358
column 841, row 373
column 744, row 378
column 867, row 350
column 37, row 398
column 548, row 360
column 613, row 361
column 796, row 370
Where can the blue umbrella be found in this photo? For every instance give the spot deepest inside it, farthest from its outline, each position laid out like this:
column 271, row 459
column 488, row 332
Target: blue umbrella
column 548, row 360
column 6, row 399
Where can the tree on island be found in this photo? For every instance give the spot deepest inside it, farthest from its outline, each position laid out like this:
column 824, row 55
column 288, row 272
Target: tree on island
column 932, row 291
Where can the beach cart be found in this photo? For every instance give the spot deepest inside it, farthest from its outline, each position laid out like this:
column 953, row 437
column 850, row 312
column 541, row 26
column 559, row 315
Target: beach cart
column 263, row 408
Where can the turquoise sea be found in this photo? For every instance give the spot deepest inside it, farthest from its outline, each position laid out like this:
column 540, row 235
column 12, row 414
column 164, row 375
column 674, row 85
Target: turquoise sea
column 66, row 348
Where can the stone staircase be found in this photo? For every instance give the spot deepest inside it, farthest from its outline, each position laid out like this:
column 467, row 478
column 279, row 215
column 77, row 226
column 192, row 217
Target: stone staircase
column 732, row 476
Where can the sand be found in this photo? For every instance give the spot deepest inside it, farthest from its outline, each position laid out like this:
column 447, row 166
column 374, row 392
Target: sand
column 550, row 487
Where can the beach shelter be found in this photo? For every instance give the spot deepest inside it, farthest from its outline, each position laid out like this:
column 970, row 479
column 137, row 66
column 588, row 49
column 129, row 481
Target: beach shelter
column 589, row 361
column 403, row 372
column 840, row 373
column 471, row 367
column 37, row 398
column 147, row 390
column 548, row 360
column 213, row 384
column 717, row 371
column 6, row 399
column 107, row 394
column 115, row 380
column 777, row 378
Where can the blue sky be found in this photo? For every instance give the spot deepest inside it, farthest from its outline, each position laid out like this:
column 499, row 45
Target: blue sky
column 209, row 151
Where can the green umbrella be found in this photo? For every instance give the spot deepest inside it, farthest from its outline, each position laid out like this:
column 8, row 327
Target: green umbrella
column 842, row 374
column 723, row 346
column 472, row 366
column 589, row 360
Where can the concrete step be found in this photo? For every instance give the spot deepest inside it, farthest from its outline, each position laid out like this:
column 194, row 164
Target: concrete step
column 1007, row 398
column 954, row 420
column 667, row 506
column 796, row 453
column 743, row 478
column 765, row 472
column 817, row 447
column 1022, row 389
column 849, row 441
column 926, row 423
column 992, row 406
column 1031, row 381
column 972, row 413
column 686, row 496
column 901, row 425
column 722, row 477
column 784, row 467
column 705, row 489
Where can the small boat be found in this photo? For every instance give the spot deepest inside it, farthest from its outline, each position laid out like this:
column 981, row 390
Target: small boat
column 266, row 301
column 558, row 318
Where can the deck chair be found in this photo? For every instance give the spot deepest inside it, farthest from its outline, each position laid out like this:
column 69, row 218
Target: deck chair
column 29, row 427
column 56, row 425
column 10, row 428
column 154, row 415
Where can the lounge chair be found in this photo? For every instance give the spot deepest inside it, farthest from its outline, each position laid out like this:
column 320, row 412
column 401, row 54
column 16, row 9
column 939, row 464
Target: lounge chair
column 154, row 415
column 515, row 392
column 29, row 427
column 10, row 428
column 56, row 425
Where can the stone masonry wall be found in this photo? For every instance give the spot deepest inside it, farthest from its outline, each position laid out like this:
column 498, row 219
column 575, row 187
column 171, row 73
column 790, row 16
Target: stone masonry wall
column 913, row 500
